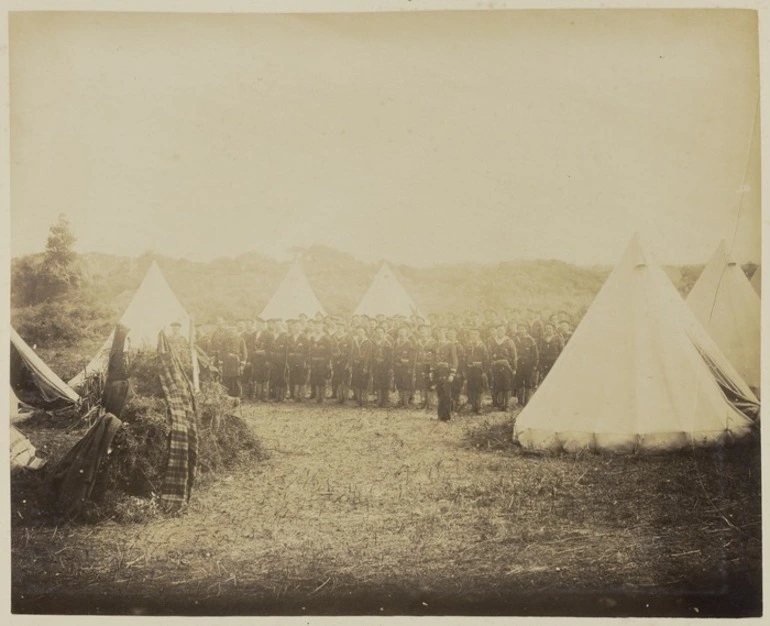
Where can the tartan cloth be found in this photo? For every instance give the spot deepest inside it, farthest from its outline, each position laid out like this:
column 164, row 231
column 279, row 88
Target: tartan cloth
column 179, row 475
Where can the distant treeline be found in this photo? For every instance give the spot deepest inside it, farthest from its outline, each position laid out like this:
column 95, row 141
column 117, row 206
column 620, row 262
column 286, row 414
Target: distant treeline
column 239, row 287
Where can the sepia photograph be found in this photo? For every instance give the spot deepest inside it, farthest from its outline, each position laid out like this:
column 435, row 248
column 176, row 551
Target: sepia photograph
column 385, row 313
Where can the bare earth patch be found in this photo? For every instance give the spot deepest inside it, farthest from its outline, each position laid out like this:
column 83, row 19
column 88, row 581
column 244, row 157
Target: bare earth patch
column 391, row 512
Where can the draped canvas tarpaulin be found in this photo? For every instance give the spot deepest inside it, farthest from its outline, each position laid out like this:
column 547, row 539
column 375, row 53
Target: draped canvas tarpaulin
column 48, row 384
column 640, row 374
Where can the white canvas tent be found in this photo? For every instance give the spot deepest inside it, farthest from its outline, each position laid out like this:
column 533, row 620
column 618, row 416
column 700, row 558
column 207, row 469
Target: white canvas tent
column 153, row 308
column 49, row 385
column 386, row 296
column 640, row 374
column 293, row 297
column 728, row 307
column 756, row 280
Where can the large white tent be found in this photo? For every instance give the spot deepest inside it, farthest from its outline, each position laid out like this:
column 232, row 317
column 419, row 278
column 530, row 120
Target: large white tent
column 756, row 280
column 640, row 374
column 293, row 297
column 153, row 308
column 728, row 307
column 386, row 296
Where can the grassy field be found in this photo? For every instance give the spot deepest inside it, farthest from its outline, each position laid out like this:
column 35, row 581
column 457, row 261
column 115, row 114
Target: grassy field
column 370, row 511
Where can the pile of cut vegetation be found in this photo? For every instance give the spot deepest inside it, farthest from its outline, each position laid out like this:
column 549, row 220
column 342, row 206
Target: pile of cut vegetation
column 129, row 480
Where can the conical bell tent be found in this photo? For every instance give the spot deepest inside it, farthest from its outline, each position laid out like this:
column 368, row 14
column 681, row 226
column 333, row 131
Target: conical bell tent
column 640, row 374
column 728, row 307
column 153, row 308
column 293, row 297
column 756, row 280
column 387, row 296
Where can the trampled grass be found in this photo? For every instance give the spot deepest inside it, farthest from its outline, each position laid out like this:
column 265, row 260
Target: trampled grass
column 390, row 511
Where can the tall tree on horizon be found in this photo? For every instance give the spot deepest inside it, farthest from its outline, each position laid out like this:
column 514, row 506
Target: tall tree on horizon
column 58, row 272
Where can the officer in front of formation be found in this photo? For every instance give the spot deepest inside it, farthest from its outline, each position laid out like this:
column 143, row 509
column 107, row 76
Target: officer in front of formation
column 443, row 374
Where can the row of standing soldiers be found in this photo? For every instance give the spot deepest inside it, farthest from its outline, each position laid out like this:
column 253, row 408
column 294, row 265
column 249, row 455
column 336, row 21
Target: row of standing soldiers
column 272, row 362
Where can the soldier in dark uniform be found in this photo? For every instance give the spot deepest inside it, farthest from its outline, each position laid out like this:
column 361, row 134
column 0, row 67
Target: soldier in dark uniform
column 247, row 333
column 476, row 364
column 459, row 379
column 296, row 357
column 443, row 374
column 502, row 357
column 404, row 361
column 527, row 363
column 260, row 365
column 551, row 347
column 340, row 361
column 360, row 364
column 426, row 359
column 382, row 365
column 229, row 352
column 278, row 360
column 320, row 359
column 536, row 329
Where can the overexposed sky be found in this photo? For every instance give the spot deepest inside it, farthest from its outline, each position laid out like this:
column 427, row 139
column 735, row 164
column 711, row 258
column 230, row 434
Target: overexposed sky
column 421, row 138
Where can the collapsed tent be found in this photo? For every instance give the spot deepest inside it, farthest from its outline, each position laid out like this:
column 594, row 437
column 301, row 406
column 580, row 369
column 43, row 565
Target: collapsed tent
column 294, row 297
column 756, row 280
column 28, row 371
column 640, row 374
column 729, row 308
column 387, row 296
column 153, row 308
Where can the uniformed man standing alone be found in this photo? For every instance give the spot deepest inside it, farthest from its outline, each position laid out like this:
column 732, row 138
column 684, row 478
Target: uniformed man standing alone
column 426, row 359
column 444, row 375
